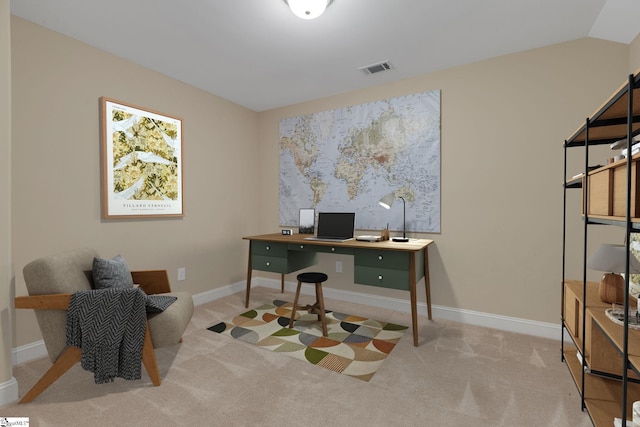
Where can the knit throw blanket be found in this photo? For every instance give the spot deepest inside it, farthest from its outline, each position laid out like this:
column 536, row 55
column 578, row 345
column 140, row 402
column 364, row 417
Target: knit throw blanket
column 109, row 326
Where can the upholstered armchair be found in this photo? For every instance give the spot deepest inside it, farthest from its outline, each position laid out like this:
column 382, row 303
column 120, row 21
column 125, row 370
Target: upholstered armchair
column 52, row 280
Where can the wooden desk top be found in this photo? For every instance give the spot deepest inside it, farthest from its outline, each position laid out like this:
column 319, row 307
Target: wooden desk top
column 410, row 246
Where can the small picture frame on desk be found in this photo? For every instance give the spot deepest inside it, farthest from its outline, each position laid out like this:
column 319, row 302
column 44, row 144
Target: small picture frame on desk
column 307, row 220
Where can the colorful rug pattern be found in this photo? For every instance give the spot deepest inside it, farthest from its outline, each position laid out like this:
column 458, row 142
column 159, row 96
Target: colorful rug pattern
column 355, row 346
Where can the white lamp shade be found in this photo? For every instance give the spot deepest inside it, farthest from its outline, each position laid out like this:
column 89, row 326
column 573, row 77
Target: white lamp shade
column 387, row 201
column 308, row 9
column 611, row 258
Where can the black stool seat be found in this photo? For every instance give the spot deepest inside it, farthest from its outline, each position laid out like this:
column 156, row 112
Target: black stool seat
column 317, row 308
column 312, row 277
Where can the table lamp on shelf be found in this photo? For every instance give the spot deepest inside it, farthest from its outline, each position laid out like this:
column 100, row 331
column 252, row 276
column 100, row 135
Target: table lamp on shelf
column 610, row 258
column 386, row 203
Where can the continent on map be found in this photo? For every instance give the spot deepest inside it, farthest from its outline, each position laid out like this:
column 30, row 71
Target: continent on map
column 319, row 188
column 302, row 145
column 375, row 146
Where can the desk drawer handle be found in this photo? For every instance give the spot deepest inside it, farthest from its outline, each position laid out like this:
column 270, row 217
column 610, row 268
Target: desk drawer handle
column 380, row 257
column 333, row 249
column 301, row 246
column 268, row 264
column 268, row 247
column 380, row 277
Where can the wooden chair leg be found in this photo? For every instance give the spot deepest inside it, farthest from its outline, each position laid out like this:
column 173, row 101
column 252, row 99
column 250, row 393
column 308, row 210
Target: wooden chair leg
column 72, row 355
column 295, row 305
column 149, row 358
column 69, row 357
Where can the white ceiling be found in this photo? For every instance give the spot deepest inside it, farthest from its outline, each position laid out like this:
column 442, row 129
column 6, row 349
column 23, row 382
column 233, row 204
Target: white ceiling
column 258, row 54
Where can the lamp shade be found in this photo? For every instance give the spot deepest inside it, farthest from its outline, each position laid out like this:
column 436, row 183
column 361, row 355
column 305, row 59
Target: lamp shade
column 308, row 9
column 387, row 201
column 611, row 258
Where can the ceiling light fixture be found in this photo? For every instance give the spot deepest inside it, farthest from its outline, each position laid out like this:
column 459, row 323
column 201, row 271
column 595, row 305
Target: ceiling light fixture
column 308, row 9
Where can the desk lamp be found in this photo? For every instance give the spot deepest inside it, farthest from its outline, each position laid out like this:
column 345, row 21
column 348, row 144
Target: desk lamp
column 611, row 259
column 386, row 203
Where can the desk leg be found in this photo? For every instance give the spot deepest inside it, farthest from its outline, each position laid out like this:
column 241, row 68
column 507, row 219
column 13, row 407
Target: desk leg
column 412, row 291
column 282, row 283
column 249, row 269
column 427, row 282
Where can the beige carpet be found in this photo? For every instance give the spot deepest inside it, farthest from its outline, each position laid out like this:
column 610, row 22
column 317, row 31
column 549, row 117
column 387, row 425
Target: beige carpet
column 460, row 375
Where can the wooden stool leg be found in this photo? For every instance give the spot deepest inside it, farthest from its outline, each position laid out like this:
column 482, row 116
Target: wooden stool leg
column 316, row 306
column 295, row 305
column 321, row 313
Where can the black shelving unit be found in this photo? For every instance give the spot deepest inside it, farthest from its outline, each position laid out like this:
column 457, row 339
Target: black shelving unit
column 617, row 119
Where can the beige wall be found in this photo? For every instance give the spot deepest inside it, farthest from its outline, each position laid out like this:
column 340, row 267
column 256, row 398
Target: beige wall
column 6, row 291
column 634, row 55
column 57, row 83
column 503, row 125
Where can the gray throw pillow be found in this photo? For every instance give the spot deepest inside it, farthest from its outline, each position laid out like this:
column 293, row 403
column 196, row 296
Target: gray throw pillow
column 111, row 273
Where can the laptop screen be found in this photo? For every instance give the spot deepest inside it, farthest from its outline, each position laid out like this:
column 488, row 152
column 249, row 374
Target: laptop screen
column 336, row 225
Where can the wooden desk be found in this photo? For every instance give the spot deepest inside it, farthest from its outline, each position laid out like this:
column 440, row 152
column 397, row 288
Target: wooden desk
column 385, row 264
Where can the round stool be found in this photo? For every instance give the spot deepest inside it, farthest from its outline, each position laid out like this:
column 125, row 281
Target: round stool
column 318, row 307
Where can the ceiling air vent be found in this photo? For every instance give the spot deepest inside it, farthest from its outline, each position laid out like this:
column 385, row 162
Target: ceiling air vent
column 376, row 68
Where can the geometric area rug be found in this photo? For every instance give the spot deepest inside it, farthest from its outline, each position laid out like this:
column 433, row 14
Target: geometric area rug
column 355, row 346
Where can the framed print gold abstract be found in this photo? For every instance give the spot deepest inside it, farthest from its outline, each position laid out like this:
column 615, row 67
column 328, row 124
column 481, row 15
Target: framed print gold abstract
column 141, row 162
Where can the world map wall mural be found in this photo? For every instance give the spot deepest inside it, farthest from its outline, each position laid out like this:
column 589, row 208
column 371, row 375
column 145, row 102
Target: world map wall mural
column 346, row 160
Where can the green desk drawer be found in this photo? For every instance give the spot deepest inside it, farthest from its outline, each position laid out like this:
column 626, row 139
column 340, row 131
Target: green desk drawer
column 268, row 248
column 320, row 248
column 287, row 264
column 382, row 259
column 269, row 263
column 383, row 277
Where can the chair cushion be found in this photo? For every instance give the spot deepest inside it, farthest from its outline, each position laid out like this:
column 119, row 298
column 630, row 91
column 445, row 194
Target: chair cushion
column 111, row 273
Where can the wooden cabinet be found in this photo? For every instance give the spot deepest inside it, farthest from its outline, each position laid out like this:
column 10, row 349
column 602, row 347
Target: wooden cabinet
column 601, row 344
column 605, row 361
column 574, row 312
column 602, row 350
column 607, row 191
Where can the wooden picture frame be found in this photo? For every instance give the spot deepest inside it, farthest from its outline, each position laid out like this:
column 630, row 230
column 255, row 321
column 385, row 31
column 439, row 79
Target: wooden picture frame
column 141, row 154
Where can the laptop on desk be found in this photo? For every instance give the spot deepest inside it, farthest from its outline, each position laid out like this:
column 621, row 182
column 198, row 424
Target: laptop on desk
column 334, row 227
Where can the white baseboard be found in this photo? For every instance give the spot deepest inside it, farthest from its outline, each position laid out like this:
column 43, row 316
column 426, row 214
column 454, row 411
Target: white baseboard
column 8, row 392
column 224, row 291
column 494, row 321
column 28, row 352
column 37, row 349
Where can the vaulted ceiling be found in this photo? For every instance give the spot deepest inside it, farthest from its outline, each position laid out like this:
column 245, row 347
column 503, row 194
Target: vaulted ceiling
column 258, row 54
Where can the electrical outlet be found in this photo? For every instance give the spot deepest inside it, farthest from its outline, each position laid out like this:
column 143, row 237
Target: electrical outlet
column 182, row 273
column 338, row 266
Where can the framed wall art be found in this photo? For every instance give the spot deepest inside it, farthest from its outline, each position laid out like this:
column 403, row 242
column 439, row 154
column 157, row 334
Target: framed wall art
column 141, row 153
